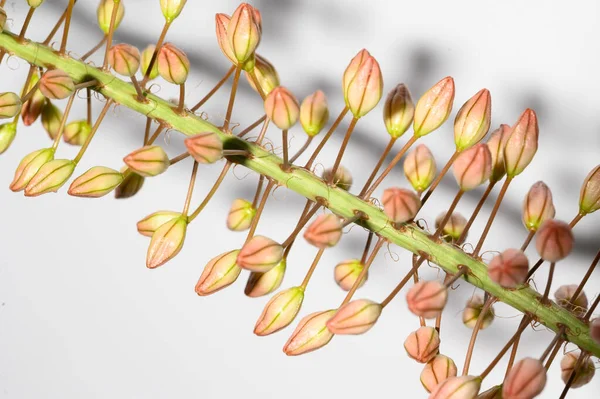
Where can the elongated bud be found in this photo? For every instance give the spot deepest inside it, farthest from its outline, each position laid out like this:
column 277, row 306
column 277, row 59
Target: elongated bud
column 522, row 143
column 266, row 74
column 56, row 84
column 205, row 147
column 148, row 161
column 399, row 111
column 342, row 179
column 35, row 3
column 3, row 18
column 464, row 387
column 96, row 182
column 173, row 64
column 131, row 184
column 473, row 120
column 222, row 23
column 554, row 240
column 564, row 298
column 400, row 204
column 473, row 310
column 589, row 197
column 362, row 84
column 434, row 107
column 51, row 119
column 171, row 8
column 314, row 113
column 220, row 272
column 420, row 168
column 595, row 330
column 427, row 299
column 526, row 379
column 310, row 334
column 324, row 232
column 50, row 177
column 104, row 13
column 356, row 317
column 148, row 225
column 496, row 144
column 509, row 268
column 453, row 228
column 260, row 284
column 494, row 392
column 422, row 345
column 243, row 32
column 346, row 274
column 473, row 167
column 584, row 373
column 280, row 311
column 29, row 166
column 166, row 242
column 282, row 108
column 124, row 59
column 8, row 131
column 10, row 105
column 146, row 58
column 260, row 254
column 538, row 206
column 77, row 132
column 240, row 215
column 32, row 108
column 438, row 370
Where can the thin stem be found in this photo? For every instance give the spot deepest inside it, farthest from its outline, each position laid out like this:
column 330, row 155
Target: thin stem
column 382, row 158
column 513, row 355
column 157, row 48
column 111, row 32
column 26, row 24
column 332, row 129
column 448, row 214
column 24, row 90
column 586, row 278
column 438, row 318
column 488, row 225
column 311, row 270
column 179, row 158
column 93, row 132
column 288, row 248
column 549, row 283
column 557, row 338
column 363, row 258
column 259, row 88
column 56, row 26
column 480, row 319
column 63, row 120
column 476, row 211
column 63, row 44
column 527, row 240
column 364, row 271
column 88, row 93
column 181, row 106
column 286, row 161
column 416, row 280
column 591, row 310
column 155, row 135
column 573, row 374
column 258, row 190
column 252, row 126
column 236, row 80
column 94, row 49
column 301, row 223
column 340, row 155
column 30, row 93
column 462, row 270
column 188, row 198
column 213, row 90
column 304, row 147
column 553, row 354
column 211, row 193
column 138, row 89
column 259, row 210
column 263, row 131
column 439, row 177
column 399, row 287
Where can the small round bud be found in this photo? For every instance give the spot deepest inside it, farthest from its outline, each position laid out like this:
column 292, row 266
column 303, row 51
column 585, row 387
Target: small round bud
column 438, row 370
column 56, row 84
column 400, row 204
column 10, row 105
column 173, row 64
column 423, row 345
column 473, row 167
column 124, row 59
column 522, row 143
column 589, row 197
column 8, row 131
column 51, row 119
column 35, row 3
column 282, row 108
column 146, row 58
column 342, row 178
column 453, row 228
column 584, row 373
column 554, row 240
column 398, row 111
column 166, row 242
column 310, row 334
column 29, row 166
column 260, row 284
column 76, row 133
column 104, row 13
column 434, row 107
column 355, row 317
column 537, row 206
column 362, row 84
column 324, row 232
column 564, row 298
column 222, row 24
column 509, row 269
column 220, row 272
column 496, row 144
column 473, row 310
column 148, row 225
column 148, row 161
column 131, row 184
column 50, row 177
column 266, row 74
column 32, row 108
column 314, row 113
column 346, row 274
column 96, row 182
column 243, row 32
column 3, row 18
column 526, row 379
column 473, row 120
column 595, row 330
column 427, row 299
column 280, row 311
column 205, row 147
column 240, row 215
column 420, row 168
column 260, row 254
column 464, row 387
column 171, row 8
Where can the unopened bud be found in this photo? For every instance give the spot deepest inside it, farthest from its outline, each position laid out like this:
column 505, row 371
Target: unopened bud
column 473, row 311
column 324, row 232
column 509, row 269
column 398, row 111
column 342, row 178
column 595, row 330
column 526, row 379
column 260, row 284
column 77, row 132
column 400, row 205
column 171, row 8
column 265, row 73
column 146, row 58
column 314, row 113
column 310, row 334
column 8, row 131
column 131, row 184
column 434, row 107
column 584, row 373
column 51, row 119
column 282, row 108
column 29, row 166
column 589, row 197
column 554, row 240
column 355, row 317
column 564, row 298
column 166, row 242
column 240, row 215
column 173, row 64
column 438, row 370
column 96, row 182
column 453, row 228
column 464, row 387
column 422, row 345
column 280, row 311
column 420, row 168
column 243, row 32
column 494, row 392
column 10, row 105
column 205, row 147
column 124, row 59
column 56, row 84
column 522, row 143
column 473, row 120
column 150, row 160
column 105, row 10
column 362, row 84
column 148, row 225
column 35, row 3
column 496, row 144
column 222, row 24
column 50, row 177
column 346, row 274
column 473, row 167
column 32, row 108
column 537, row 206
column 220, row 272
column 427, row 299
column 260, row 254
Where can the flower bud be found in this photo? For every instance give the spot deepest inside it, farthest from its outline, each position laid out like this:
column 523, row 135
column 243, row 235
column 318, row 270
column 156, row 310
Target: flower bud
column 355, row 317
column 146, row 58
column 494, row 392
column 3, row 18
column 243, row 32
column 148, row 225
column 171, row 8
column 362, row 84
column 427, row 299
column 77, row 132
column 282, row 108
column 50, row 177
column 148, row 161
column 56, row 84
column 346, row 273
column 522, row 143
column 398, row 111
column 10, row 105
column 280, row 311
column 509, row 269
column 473, row 310
column 564, row 298
column 434, row 107
column 173, row 64
column 8, row 131
column 400, row 204
column 314, row 113
column 342, row 178
column 310, row 334
column 51, row 119
column 526, row 379
column 35, row 3
column 32, row 108
column 420, row 168
column 124, row 59
column 589, row 197
column 131, row 184
column 423, row 345
column 595, row 330
column 538, row 206
column 324, row 232
column 439, row 369
column 222, row 24
column 29, row 166
column 260, row 284
column 584, row 373
column 240, row 215
column 96, row 182
column 453, row 228
column 554, row 240
column 260, row 254
column 496, row 144
column 473, row 167
column 205, row 147
column 166, row 242
column 220, row 272
column 266, row 74
column 473, row 120
column 104, row 13
column 464, row 387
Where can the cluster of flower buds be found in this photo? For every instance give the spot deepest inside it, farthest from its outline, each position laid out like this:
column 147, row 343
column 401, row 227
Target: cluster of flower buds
column 239, row 35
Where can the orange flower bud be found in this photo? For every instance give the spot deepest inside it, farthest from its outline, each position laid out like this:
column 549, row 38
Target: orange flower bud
column 324, row 232
column 346, row 273
column 538, row 206
column 420, row 168
column 148, row 161
column 473, row 120
column 310, row 334
column 473, row 167
column 220, row 272
column 260, row 284
column 427, row 299
column 423, row 345
column 104, row 13
column 464, row 387
column 146, row 58
column 260, row 254
column 564, row 298
column 77, row 132
column 171, row 8
column 554, row 240
column 453, row 228
column 8, row 131
column 148, row 225
column 205, row 147
column 522, row 143
column 526, row 379
column 314, row 113
column 131, row 184
column 584, row 373
column 222, row 23
column 589, row 197
column 595, row 330
column 400, row 204
column 173, row 64
column 439, row 369
column 473, row 310
column 398, row 111
column 509, row 269
column 10, row 105
column 51, row 119
column 496, row 144
column 266, row 74
column 362, row 84
column 433, row 108
column 96, row 182
column 50, row 177
column 240, row 215
column 356, row 317
column 32, row 108
column 29, row 166
column 243, row 32
column 280, row 311
column 166, row 242
column 282, row 108
column 124, row 59
column 56, row 84
column 342, row 178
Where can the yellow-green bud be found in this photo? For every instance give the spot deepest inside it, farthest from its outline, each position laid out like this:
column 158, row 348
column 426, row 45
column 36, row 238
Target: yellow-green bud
column 104, row 13
column 171, row 8
column 96, row 182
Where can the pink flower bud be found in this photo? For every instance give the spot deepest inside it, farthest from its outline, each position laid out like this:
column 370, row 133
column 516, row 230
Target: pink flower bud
column 526, row 379
column 346, row 274
column 104, row 13
column 171, row 8
column 32, row 108
column 423, row 345
column 522, row 143
column 29, row 166
column 148, row 161
column 584, row 373
column 473, row 310
column 453, row 228
column 420, row 168
column 131, row 184
column 146, row 58
column 51, row 119
column 342, row 179
column 282, row 108
column 589, row 197
column 260, row 254
column 538, row 206
column 310, row 334
column 260, row 284
column 50, row 177
column 266, row 74
column 173, row 64
column 205, row 147
column 554, row 240
column 564, row 298
column 496, row 144
column 427, row 299
column 77, row 132
column 280, row 311
column 509, row 269
column 222, row 23
column 473, row 120
column 124, row 59
column 464, row 387
column 314, row 113
column 56, row 84
column 324, row 232
column 148, row 225
column 166, row 242
column 355, row 317
column 595, row 330
column 243, row 32
column 96, row 182
column 473, row 167
column 362, row 84
column 3, row 18
column 434, row 107
column 240, row 215
column 438, row 370
column 8, row 131
column 494, row 392
column 400, row 204
column 220, row 272
column 398, row 111
column 10, row 105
